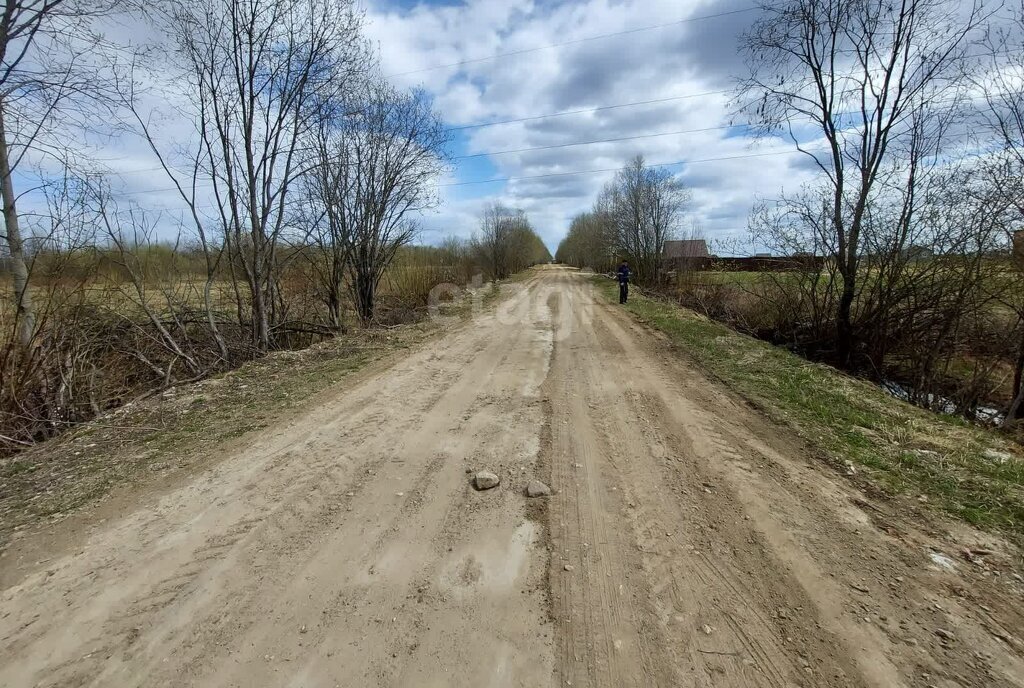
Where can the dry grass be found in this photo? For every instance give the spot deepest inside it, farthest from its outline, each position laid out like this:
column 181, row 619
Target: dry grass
column 181, row 428
column 169, row 432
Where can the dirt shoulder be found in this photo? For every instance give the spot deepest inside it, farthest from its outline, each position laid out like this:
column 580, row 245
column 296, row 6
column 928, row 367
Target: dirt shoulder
column 923, row 463
column 58, row 491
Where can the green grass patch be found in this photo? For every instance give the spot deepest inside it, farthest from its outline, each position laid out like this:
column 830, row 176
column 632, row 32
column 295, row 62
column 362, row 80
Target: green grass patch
column 902, row 449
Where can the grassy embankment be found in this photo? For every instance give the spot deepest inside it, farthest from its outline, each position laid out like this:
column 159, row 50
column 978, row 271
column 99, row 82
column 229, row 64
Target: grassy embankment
column 903, row 449
column 163, row 435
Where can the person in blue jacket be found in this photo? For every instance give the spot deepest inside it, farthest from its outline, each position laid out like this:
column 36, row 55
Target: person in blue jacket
column 624, row 275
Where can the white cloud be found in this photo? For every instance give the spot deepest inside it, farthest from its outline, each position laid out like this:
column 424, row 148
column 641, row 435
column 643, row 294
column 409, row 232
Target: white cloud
column 676, row 60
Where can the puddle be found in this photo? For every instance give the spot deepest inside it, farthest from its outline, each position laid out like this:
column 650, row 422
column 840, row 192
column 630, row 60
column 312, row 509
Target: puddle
column 983, row 414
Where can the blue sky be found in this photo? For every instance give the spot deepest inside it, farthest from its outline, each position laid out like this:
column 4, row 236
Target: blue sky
column 666, row 69
column 687, row 64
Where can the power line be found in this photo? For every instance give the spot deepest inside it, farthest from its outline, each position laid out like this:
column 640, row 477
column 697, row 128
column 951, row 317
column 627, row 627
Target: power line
column 526, row 51
column 558, row 146
column 526, row 119
column 616, row 169
column 588, row 143
column 561, row 114
column 549, row 175
column 577, row 112
column 646, row 136
column 588, row 110
column 537, row 176
column 530, row 119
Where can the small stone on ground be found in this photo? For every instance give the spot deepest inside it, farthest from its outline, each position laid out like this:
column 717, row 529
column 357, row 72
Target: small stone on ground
column 537, row 489
column 485, row 480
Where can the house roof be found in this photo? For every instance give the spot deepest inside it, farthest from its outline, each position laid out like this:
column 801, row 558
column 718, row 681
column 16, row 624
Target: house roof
column 687, row 248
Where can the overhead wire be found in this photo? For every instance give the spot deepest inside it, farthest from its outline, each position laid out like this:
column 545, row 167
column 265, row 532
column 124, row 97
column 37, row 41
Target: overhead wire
column 691, row 161
column 590, row 142
column 530, row 177
column 550, row 115
column 556, row 114
column 526, row 51
column 600, row 108
column 596, row 141
column 572, row 144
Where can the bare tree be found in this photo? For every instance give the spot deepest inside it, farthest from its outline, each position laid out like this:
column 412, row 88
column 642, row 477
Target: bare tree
column 260, row 75
column 864, row 74
column 385, row 159
column 44, row 385
column 667, row 200
column 645, row 206
column 130, row 233
column 1016, row 409
column 322, row 212
column 589, row 243
column 492, row 244
column 48, row 70
column 507, row 242
column 634, row 215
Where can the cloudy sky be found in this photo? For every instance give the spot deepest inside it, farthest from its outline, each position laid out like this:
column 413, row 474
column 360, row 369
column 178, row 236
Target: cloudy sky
column 528, row 86
column 491, row 61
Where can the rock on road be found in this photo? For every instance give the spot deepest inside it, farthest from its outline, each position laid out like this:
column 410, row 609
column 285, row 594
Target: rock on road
column 687, row 542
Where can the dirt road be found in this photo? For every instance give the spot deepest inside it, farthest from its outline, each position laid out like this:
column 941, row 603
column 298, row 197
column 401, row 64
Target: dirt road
column 688, row 542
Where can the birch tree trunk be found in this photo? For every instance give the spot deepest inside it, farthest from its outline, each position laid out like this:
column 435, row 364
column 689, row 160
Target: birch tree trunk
column 19, row 267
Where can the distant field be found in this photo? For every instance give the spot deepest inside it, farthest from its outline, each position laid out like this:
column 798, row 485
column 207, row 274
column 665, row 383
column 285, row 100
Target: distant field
column 120, row 298
column 401, row 284
column 737, row 278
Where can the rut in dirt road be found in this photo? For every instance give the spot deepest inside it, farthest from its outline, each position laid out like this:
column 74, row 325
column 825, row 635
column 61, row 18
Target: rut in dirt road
column 688, row 543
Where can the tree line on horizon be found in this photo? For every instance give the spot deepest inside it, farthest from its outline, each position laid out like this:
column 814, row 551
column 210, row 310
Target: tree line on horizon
column 635, row 213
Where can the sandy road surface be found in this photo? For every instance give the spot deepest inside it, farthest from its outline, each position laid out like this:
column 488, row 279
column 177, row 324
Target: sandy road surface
column 689, row 542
